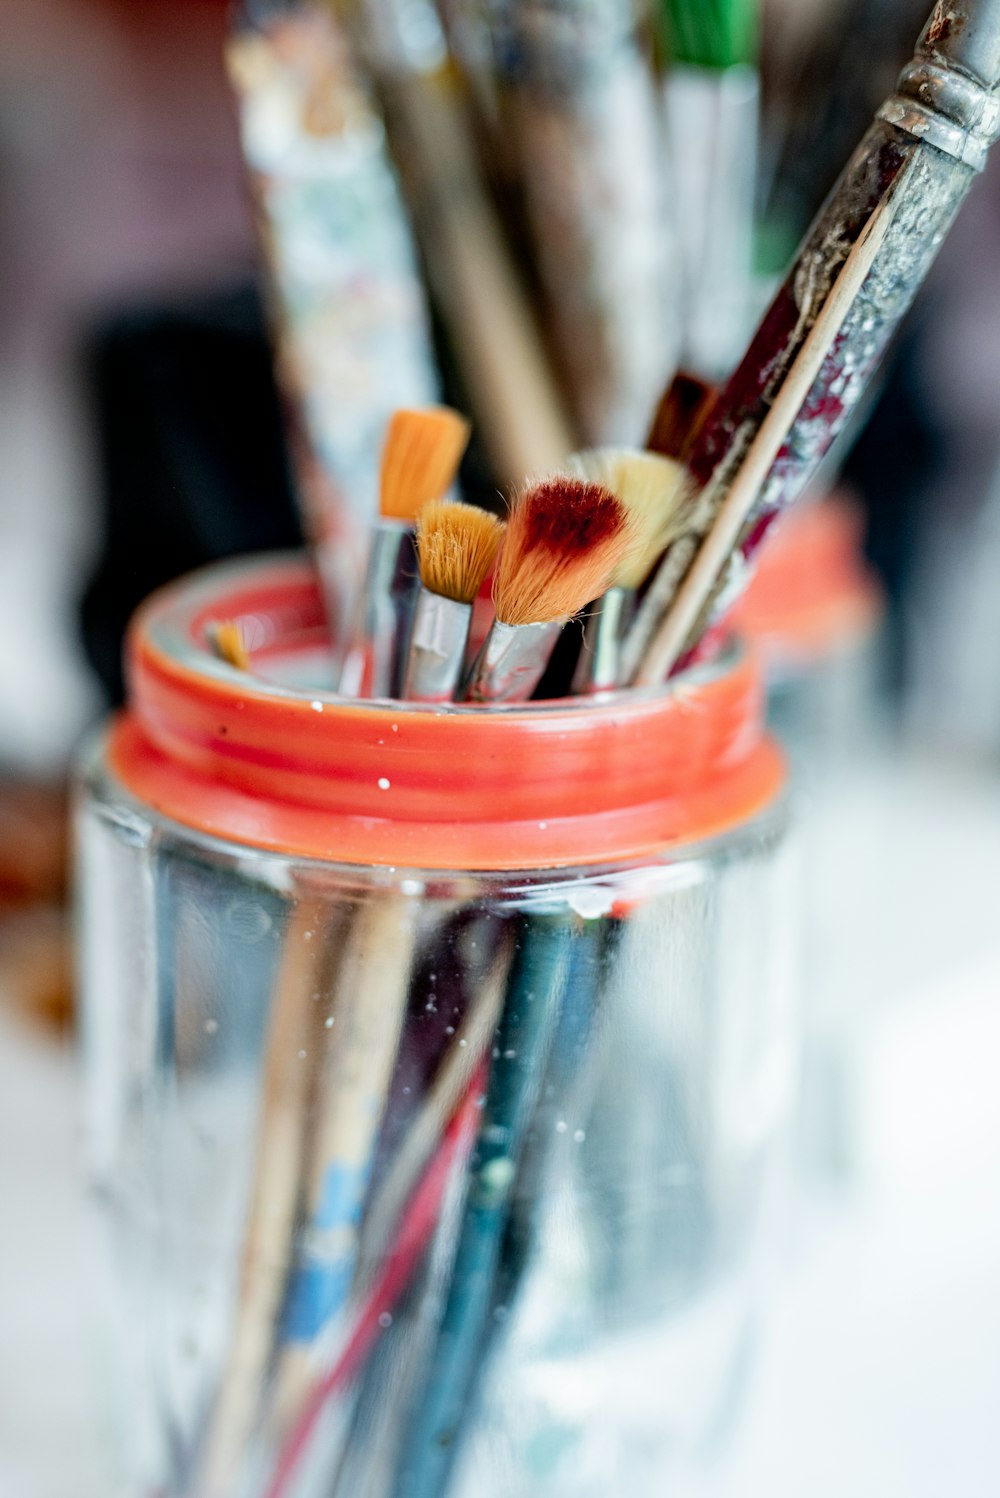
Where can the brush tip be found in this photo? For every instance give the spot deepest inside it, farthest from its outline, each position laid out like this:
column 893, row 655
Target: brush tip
column 683, row 410
column 226, row 641
column 651, row 488
column 420, row 458
column 565, row 537
column 457, row 545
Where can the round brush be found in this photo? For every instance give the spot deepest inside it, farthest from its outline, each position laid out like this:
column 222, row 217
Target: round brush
column 565, row 538
column 457, row 545
column 651, row 489
column 420, row 458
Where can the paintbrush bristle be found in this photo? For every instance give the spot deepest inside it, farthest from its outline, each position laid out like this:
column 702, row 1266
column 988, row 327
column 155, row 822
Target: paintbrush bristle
column 456, row 547
column 651, row 488
column 226, row 640
column 683, row 409
column 565, row 537
column 420, row 458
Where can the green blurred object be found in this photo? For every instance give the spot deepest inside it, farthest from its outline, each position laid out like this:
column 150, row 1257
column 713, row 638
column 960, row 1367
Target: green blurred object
column 712, row 33
column 712, row 98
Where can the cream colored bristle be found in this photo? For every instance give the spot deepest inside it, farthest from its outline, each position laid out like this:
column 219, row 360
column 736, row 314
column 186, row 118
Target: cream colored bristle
column 456, row 547
column 565, row 538
column 227, row 643
column 420, row 458
column 652, row 489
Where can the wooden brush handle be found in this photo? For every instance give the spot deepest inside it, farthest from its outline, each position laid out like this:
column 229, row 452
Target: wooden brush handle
column 694, row 591
column 494, row 338
column 274, row 1196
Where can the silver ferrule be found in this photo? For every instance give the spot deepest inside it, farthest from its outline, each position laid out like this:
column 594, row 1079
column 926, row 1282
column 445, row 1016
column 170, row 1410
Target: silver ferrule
column 373, row 664
column 437, row 648
column 511, row 662
column 600, row 664
column 946, row 93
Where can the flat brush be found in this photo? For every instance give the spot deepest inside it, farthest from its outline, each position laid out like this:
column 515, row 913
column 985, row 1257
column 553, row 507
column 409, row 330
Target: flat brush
column 457, row 545
column 651, row 489
column 565, row 538
column 821, row 340
column 419, row 460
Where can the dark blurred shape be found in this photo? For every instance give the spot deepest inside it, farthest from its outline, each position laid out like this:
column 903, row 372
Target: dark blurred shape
column 35, row 956
column 899, row 451
column 816, row 112
column 926, row 456
column 33, row 844
column 682, row 409
column 193, row 465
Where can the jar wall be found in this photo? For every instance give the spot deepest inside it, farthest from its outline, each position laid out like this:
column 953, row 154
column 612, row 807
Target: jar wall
column 831, row 720
column 316, row 1091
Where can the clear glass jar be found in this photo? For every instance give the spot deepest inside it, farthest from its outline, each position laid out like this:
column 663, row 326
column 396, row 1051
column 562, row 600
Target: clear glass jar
column 438, row 1066
column 815, row 611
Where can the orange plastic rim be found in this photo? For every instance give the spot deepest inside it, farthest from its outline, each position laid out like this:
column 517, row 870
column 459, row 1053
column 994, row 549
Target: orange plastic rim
column 311, row 774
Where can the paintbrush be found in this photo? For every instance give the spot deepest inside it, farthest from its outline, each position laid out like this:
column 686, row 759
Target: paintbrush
column 580, row 107
column 399, row 1266
column 418, row 1158
column 651, row 490
column 347, row 308
column 272, row 1207
column 226, row 642
column 565, row 538
column 420, row 458
column 457, row 545
column 366, row 1004
column 679, row 417
column 822, row 338
column 712, row 99
column 523, row 1041
column 475, row 282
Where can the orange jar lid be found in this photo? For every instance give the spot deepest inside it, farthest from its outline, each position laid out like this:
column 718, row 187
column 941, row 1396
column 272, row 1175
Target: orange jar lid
column 812, row 594
column 255, row 760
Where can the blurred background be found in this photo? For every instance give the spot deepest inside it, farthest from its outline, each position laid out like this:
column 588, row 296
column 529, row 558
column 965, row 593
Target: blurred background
column 143, row 144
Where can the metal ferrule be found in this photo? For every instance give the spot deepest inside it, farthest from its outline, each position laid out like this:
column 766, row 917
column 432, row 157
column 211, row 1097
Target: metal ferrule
column 373, row 666
column 511, row 662
column 437, row 648
column 945, row 95
column 599, row 666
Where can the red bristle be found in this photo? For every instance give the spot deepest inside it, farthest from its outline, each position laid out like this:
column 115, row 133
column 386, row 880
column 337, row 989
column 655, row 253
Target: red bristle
column 564, row 539
column 569, row 515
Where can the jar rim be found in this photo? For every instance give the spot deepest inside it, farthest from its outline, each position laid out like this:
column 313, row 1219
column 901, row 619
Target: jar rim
column 175, row 620
column 295, row 769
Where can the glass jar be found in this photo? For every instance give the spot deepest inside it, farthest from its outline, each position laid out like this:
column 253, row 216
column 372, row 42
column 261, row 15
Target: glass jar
column 438, row 1065
column 815, row 611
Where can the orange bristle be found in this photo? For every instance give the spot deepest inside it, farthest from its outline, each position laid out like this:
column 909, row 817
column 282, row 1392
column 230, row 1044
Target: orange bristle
column 456, row 547
column 226, row 641
column 420, row 458
column 565, row 538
